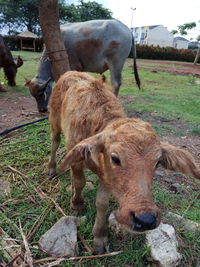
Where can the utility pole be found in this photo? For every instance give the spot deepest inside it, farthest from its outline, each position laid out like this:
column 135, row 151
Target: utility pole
column 133, row 9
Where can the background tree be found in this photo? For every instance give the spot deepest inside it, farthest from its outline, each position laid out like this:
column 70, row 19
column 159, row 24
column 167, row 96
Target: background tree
column 183, row 30
column 19, row 15
column 92, row 10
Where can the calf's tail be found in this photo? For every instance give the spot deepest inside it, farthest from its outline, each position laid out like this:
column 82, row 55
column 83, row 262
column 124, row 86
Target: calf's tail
column 135, row 69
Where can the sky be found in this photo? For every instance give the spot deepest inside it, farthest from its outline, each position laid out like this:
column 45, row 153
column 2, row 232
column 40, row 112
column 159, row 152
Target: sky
column 169, row 13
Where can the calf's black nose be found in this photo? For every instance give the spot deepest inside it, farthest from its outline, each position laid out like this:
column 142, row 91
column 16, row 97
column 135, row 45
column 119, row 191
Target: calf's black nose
column 144, row 221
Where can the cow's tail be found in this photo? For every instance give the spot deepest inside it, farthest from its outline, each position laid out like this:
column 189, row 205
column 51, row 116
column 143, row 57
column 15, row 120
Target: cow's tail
column 135, row 69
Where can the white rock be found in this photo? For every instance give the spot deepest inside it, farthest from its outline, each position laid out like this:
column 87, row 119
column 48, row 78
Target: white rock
column 162, row 242
column 61, row 239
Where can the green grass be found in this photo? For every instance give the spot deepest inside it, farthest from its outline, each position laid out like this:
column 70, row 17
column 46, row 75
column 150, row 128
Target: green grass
column 26, row 71
column 169, row 95
column 164, row 95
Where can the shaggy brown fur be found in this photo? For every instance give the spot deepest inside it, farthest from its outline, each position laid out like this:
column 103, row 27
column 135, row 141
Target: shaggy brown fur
column 123, row 152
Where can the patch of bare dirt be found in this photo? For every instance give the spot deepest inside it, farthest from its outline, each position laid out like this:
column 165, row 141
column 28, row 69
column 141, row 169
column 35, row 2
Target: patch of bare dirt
column 16, row 109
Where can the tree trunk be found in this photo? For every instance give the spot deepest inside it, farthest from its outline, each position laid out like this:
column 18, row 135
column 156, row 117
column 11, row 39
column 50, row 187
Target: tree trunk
column 49, row 22
column 197, row 56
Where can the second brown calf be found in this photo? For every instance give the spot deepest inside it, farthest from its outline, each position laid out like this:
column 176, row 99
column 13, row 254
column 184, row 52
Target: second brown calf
column 123, row 152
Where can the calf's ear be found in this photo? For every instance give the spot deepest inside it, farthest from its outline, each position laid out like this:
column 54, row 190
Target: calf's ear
column 87, row 149
column 179, row 160
column 27, row 82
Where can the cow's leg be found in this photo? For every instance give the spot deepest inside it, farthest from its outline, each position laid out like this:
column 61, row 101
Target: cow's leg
column 55, row 141
column 78, row 183
column 100, row 227
column 115, row 73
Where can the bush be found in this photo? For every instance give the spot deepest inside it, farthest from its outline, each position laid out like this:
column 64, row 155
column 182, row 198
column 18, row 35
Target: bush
column 164, row 53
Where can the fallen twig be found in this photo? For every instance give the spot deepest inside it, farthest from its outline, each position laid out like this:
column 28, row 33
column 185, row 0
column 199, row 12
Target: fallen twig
column 14, row 201
column 37, row 224
column 11, row 223
column 59, row 260
column 21, row 175
column 13, row 260
column 28, row 255
column 54, row 178
column 190, row 205
column 114, row 253
column 14, row 143
column 13, row 151
column 46, row 260
column 23, row 181
column 86, row 246
column 44, row 196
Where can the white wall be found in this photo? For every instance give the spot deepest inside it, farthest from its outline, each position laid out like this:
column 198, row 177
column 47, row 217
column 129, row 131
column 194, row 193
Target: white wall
column 181, row 44
column 160, row 36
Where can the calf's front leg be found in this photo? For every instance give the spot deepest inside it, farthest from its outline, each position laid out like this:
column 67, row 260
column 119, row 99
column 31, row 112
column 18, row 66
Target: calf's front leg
column 55, row 141
column 100, row 241
column 78, row 183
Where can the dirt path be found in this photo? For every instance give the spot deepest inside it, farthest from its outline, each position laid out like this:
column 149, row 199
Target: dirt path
column 180, row 68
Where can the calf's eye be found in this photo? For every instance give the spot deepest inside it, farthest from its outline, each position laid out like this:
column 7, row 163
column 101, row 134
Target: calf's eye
column 158, row 164
column 115, row 160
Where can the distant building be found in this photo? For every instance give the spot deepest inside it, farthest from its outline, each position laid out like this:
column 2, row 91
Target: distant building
column 27, row 40
column 180, row 43
column 153, row 35
column 194, row 45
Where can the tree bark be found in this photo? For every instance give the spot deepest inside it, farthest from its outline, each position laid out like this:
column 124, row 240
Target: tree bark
column 49, row 22
column 197, row 56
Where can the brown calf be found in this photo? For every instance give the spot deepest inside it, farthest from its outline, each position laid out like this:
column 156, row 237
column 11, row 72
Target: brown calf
column 123, row 152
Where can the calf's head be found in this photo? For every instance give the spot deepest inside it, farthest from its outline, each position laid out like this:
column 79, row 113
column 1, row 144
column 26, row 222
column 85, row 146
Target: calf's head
column 41, row 91
column 126, row 154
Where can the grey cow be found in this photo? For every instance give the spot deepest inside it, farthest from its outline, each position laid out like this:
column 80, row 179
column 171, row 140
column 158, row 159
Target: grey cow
column 92, row 46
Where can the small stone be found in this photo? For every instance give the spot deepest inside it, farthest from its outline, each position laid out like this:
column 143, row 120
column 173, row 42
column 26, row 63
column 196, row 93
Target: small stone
column 90, row 185
column 162, row 242
column 168, row 180
column 185, row 223
column 177, row 188
column 159, row 174
column 61, row 239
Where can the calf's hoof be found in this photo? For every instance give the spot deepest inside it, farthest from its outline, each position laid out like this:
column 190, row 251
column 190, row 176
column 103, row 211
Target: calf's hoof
column 100, row 246
column 52, row 173
column 77, row 209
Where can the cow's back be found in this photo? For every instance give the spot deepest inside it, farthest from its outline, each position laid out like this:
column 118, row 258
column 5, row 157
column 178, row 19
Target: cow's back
column 92, row 44
column 88, row 104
